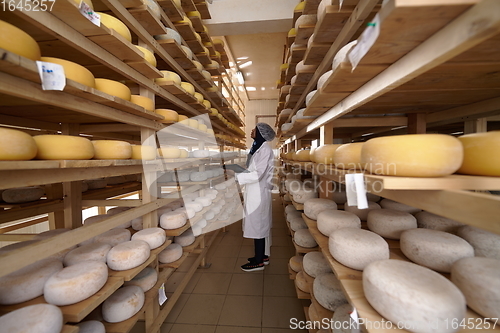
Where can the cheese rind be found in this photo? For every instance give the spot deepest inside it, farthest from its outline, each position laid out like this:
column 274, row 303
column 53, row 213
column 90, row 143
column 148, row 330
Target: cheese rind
column 315, row 263
column 172, row 253
column 128, row 255
column 91, row 326
column 314, row 206
column 112, row 22
column 22, row 194
column 113, row 88
column 328, row 291
column 123, row 304
column 113, row 237
column 38, row 318
column 146, row 279
column 324, row 153
column 92, row 251
column 16, row 145
column 155, row 237
column 63, row 147
column 348, row 156
column 331, row 220
column 19, row 42
column 485, row 243
column 73, row 71
column 390, row 223
column 481, row 156
column 362, row 213
column 112, row 150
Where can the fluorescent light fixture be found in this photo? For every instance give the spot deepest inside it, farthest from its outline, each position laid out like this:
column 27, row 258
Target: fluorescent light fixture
column 242, row 58
column 395, row 128
column 241, row 88
column 262, row 88
column 251, row 89
column 457, row 133
column 367, row 134
column 231, row 64
column 239, row 76
column 245, row 64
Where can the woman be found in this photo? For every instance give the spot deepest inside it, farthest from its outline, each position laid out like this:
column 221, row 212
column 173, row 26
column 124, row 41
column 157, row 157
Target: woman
column 257, row 200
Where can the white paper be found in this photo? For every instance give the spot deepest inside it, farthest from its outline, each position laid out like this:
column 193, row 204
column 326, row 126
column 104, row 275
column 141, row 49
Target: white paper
column 90, row 14
column 356, row 191
column 162, row 298
column 365, row 42
column 52, row 75
column 352, row 198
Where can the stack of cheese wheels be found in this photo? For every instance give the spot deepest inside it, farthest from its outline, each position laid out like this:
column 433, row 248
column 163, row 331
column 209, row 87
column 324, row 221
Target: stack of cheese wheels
column 123, row 304
column 143, row 101
column 38, row 318
column 143, row 152
column 432, row 221
column 413, row 155
column 146, row 279
column 155, row 237
column 328, row 291
column 314, row 206
column 16, row 145
column 362, row 213
column 17, row 41
column 324, row 154
column 389, row 284
column 63, row 147
column 169, row 77
column 331, row 219
column 112, row 22
column 22, row 194
column 391, row 204
column 348, row 156
column 148, row 55
column 390, row 223
column 113, row 88
column 169, row 152
column 172, row 253
column 485, row 243
column 170, row 116
column 315, row 263
column 92, row 251
column 481, row 154
column 128, row 255
column 73, row 71
column 112, row 150
column 113, row 237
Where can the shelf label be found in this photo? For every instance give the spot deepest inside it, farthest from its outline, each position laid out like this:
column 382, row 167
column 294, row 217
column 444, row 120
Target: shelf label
column 90, row 14
column 52, row 75
column 356, row 191
column 365, row 42
column 162, row 298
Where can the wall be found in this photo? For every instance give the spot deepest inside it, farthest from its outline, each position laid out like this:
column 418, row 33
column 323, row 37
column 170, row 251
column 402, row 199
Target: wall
column 261, row 107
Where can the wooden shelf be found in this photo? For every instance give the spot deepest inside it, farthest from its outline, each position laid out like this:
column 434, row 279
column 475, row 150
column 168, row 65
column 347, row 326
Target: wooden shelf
column 188, row 5
column 173, row 12
column 301, row 294
column 148, row 20
column 176, row 264
column 202, row 7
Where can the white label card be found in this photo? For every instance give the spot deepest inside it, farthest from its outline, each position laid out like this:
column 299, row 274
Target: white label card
column 356, row 191
column 162, row 298
column 90, row 14
column 365, row 42
column 52, row 75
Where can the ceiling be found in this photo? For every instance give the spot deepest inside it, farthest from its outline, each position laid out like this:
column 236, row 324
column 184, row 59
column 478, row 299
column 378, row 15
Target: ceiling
column 255, row 31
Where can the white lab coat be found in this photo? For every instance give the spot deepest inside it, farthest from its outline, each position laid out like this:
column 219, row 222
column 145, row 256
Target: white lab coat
column 257, row 220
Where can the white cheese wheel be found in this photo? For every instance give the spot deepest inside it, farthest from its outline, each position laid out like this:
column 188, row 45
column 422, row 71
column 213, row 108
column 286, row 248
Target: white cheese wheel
column 172, row 253
column 309, row 97
column 340, row 195
column 198, row 176
column 342, row 55
column 363, row 213
column 301, row 282
column 16, row 145
column 324, row 154
column 92, row 251
column 331, row 220
column 413, row 155
column 173, row 220
column 481, row 154
column 205, row 201
column 146, row 279
column 75, row 283
column 290, row 208
column 304, row 194
column 169, row 152
column 155, row 237
column 123, row 304
column 295, row 263
column 95, row 219
column 22, row 194
column 38, row 318
column 171, row 34
column 91, row 326
column 323, row 78
column 128, row 255
column 112, row 22
column 186, row 238
column 95, row 184
column 391, row 204
column 113, row 237
column 432, row 221
column 435, row 249
column 297, row 223
column 348, row 156
column 201, row 153
column 137, row 223
column 478, row 280
column 73, row 71
column 303, row 238
column 27, row 283
column 313, row 207
column 188, row 52
column 189, row 212
column 328, row 291
column 391, row 287
column 315, row 263
column 113, row 88
column 356, row 248
column 390, row 223
column 143, row 101
column 196, row 206
column 112, row 150
column 143, row 152
column 63, row 147
column 343, row 323
column 485, row 243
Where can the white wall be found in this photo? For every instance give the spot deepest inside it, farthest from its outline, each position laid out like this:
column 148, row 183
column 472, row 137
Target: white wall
column 261, row 107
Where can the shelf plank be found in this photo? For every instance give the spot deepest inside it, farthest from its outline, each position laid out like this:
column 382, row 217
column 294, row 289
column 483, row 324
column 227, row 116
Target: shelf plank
column 176, row 264
column 315, row 53
column 148, row 20
column 202, row 7
column 173, row 12
column 186, row 31
column 331, row 22
column 123, row 326
column 195, row 45
column 188, row 5
column 197, row 24
column 145, row 68
column 70, row 329
column 303, row 34
column 68, row 12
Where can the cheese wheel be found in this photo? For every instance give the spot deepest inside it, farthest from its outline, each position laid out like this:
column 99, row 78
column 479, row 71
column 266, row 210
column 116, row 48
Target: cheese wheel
column 113, row 237
column 295, row 263
column 137, row 223
column 183, row 153
column 91, row 326
column 485, row 243
column 480, row 154
column 331, row 220
column 297, row 223
column 27, row 283
column 186, row 238
column 143, row 152
column 168, row 77
column 348, row 156
column 414, row 155
column 112, row 150
column 213, row 65
column 63, row 147
column 314, row 206
column 92, row 251
column 112, row 22
column 173, row 220
column 323, row 78
column 187, row 50
column 478, row 280
column 172, row 253
column 290, row 209
column 315, row 263
column 75, row 283
column 123, row 304
column 324, row 154
column 146, row 279
column 303, row 194
column 390, row 223
column 22, row 194
column 148, row 55
column 196, row 206
column 113, row 88
column 38, row 318
column 73, row 71
column 155, row 237
column 202, row 127
column 16, row 145
column 303, row 155
column 342, row 319
column 432, row 221
column 390, row 286
column 169, row 152
column 391, row 204
column 95, row 219
column 128, row 255
column 143, row 101
column 435, row 249
column 19, row 42
column 188, row 87
column 328, row 291
column 193, row 122
column 94, row 184
column 170, row 116
column 171, row 34
column 117, row 210
column 362, row 213
column 301, row 282
column 303, row 238
column 205, row 201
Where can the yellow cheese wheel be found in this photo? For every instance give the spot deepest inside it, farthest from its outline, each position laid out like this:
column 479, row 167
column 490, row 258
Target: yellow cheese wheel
column 202, row 127
column 169, row 152
column 207, row 104
column 284, row 66
column 16, row 145
column 143, row 101
column 142, row 152
column 169, row 76
column 292, row 32
column 178, row 3
column 481, row 154
column 188, row 51
column 184, row 153
column 303, row 155
column 300, row 6
column 148, row 55
column 213, row 65
column 217, row 41
column 214, row 112
column 198, row 65
column 199, row 97
column 183, row 117
column 324, row 154
column 112, row 22
column 17, row 41
column 112, row 150
column 171, row 116
column 413, row 155
column 113, row 88
column 63, row 147
column 193, row 14
column 210, row 131
column 185, row 19
column 348, row 156
column 208, row 44
column 73, row 71
column 193, row 123
column 208, row 77
column 198, row 37
column 188, row 87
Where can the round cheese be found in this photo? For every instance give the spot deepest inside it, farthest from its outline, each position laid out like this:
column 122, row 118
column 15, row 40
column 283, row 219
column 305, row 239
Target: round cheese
column 348, row 156
column 169, row 76
column 170, row 116
column 113, row 88
column 188, row 87
column 309, row 98
column 485, row 243
column 128, row 255
column 183, row 153
column 205, row 201
column 91, row 326
column 315, row 263
column 323, row 78
column 117, row 210
column 391, row 287
column 38, row 318
column 187, row 50
column 394, row 205
column 146, row 279
column 301, row 282
column 324, row 154
column 172, row 253
column 435, row 249
column 328, row 291
column 155, row 237
column 301, row 67
column 478, row 280
column 289, row 209
column 75, row 283
column 169, row 152
column 123, row 304
column 297, row 223
column 112, row 22
column 331, row 220
column 143, row 101
column 362, row 213
column 63, row 147
column 112, row 150
column 113, row 237
column 196, row 206
column 22, row 194
column 481, row 154
column 173, row 220
column 19, row 42
column 201, row 153
column 342, row 319
column 313, row 207
column 303, row 238
column 143, row 152
column 304, row 194
column 302, row 155
column 171, row 34
column 413, row 155
column 432, row 221
column 148, row 55
column 73, row 71
column 137, row 223
column 185, row 239
column 295, row 263
column 95, row 184
column 16, row 145
column 390, row 223
column 92, row 251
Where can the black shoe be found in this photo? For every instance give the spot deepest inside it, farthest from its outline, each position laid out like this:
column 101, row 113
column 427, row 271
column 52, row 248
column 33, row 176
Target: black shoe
column 251, row 266
column 266, row 260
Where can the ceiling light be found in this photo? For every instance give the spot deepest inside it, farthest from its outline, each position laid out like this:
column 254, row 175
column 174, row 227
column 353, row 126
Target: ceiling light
column 242, row 58
column 251, row 89
column 367, row 134
column 245, row 64
column 262, row 88
column 239, row 76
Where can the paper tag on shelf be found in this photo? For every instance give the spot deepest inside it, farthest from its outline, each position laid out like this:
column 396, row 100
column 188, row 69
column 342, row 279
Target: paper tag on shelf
column 356, row 192
column 162, row 298
column 341, row 2
column 365, row 42
column 52, row 75
column 90, row 14
column 355, row 320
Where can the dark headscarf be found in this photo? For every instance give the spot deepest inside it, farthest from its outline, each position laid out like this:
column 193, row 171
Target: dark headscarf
column 257, row 142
